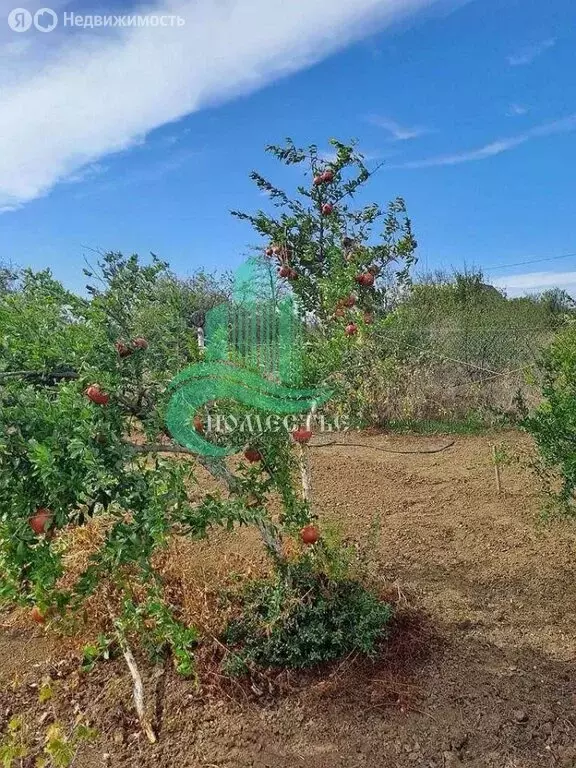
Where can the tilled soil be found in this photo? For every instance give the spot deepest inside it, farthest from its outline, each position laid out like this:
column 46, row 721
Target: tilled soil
column 479, row 669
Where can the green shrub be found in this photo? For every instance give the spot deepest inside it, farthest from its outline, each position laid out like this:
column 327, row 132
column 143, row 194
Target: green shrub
column 302, row 618
column 553, row 424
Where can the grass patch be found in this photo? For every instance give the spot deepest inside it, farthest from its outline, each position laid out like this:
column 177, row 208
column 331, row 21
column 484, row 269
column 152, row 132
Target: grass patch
column 469, row 426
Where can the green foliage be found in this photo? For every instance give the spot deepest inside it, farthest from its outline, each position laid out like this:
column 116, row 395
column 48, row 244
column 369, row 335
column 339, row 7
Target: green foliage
column 471, row 424
column 8, row 277
column 158, row 629
column 462, row 317
column 61, row 747
column 255, row 483
column 14, row 746
column 553, row 423
column 328, row 251
column 101, row 649
column 301, row 617
column 59, row 450
column 132, row 299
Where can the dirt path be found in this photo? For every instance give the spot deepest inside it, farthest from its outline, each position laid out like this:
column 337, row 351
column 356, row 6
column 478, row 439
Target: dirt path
column 487, row 678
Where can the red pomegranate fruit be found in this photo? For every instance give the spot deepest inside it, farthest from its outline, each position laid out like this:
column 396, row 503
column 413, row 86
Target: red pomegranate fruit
column 37, row 616
column 96, row 395
column 41, row 520
column 123, row 349
column 139, row 343
column 301, row 435
column 309, row 534
column 252, row 455
column 366, row 279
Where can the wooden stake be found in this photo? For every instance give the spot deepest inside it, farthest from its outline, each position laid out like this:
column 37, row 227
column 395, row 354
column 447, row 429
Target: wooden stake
column 305, row 473
column 496, row 470
column 303, row 459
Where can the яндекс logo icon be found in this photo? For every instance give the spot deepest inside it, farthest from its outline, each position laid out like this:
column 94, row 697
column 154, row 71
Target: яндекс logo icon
column 19, row 20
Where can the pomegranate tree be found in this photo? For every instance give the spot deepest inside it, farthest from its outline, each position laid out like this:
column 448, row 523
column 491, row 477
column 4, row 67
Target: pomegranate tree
column 84, row 388
column 349, row 261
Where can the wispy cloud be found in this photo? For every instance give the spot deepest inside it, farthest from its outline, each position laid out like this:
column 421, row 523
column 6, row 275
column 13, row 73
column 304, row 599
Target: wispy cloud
column 86, row 173
column 96, row 94
column 397, row 132
column 565, row 125
column 144, row 175
column 536, row 281
column 517, row 110
column 530, row 53
column 488, row 150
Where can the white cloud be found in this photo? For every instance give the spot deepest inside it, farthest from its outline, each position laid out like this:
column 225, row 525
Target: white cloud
column 565, row 125
column 517, row 110
column 530, row 53
column 397, row 131
column 100, row 93
column 488, row 150
column 531, row 282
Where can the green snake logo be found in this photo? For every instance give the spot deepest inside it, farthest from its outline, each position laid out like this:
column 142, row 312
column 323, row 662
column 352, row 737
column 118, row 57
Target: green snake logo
column 252, row 357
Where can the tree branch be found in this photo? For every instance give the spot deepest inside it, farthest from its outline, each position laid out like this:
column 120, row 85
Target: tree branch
column 38, row 374
column 160, row 448
column 220, row 471
column 138, row 690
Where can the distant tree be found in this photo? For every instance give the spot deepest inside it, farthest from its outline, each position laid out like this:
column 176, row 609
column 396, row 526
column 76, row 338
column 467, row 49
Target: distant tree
column 8, row 277
column 557, row 301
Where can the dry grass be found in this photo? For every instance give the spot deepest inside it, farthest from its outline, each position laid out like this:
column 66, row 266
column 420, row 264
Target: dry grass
column 194, row 577
column 443, row 391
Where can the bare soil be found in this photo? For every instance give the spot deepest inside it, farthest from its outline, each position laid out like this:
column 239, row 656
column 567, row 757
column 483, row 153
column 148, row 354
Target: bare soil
column 479, row 669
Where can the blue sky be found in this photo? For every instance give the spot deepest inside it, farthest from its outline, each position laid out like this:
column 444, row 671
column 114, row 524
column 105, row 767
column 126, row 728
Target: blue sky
column 471, row 105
